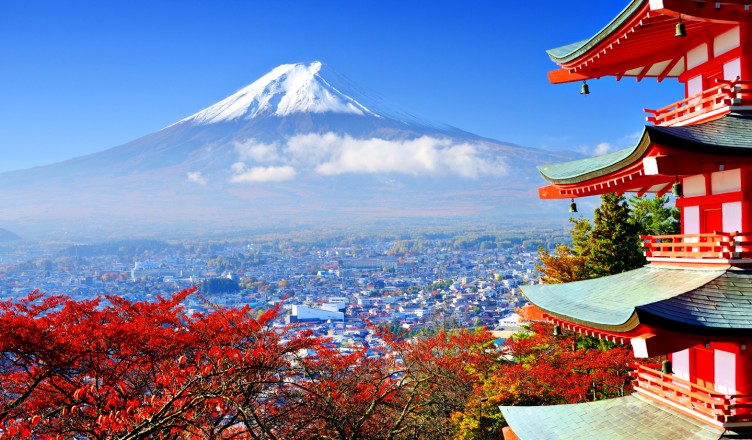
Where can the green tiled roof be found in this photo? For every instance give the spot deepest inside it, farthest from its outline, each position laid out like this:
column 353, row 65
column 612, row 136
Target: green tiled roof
column 721, row 305
column 623, row 418
column 591, row 167
column 612, row 303
column 728, row 135
column 572, row 51
column 731, row 134
column 563, row 51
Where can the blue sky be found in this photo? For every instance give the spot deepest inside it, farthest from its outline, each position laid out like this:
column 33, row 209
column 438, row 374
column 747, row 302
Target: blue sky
column 82, row 76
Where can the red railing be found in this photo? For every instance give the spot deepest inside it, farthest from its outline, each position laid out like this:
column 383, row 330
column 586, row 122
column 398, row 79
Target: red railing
column 721, row 408
column 718, row 246
column 720, row 99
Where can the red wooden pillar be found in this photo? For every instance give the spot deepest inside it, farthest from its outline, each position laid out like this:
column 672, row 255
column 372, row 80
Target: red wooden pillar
column 744, row 371
column 744, row 375
column 745, row 40
column 746, row 186
column 704, row 367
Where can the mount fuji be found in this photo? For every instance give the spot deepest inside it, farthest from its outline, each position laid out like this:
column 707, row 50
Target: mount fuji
column 302, row 145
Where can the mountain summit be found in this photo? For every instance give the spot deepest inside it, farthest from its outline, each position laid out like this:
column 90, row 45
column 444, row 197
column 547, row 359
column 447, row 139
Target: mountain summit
column 288, row 89
column 300, row 145
column 308, row 89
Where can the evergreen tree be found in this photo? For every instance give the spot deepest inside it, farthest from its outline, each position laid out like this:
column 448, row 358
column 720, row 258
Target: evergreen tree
column 653, row 217
column 581, row 235
column 610, row 245
column 614, row 240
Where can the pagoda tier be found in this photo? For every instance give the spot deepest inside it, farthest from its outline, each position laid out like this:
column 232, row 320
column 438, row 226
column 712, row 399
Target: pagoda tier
column 640, row 42
column 659, row 309
column 663, row 154
column 701, row 318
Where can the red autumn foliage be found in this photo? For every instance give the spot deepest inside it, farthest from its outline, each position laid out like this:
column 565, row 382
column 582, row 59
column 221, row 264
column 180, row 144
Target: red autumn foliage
column 110, row 368
column 542, row 369
column 134, row 370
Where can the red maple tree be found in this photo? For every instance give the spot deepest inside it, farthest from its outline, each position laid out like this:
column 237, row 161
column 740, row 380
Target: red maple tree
column 110, row 368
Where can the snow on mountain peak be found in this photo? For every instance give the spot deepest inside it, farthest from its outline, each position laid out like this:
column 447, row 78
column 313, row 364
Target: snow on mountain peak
column 287, row 89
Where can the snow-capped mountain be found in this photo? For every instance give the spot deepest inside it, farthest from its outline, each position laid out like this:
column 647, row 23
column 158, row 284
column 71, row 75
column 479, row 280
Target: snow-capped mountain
column 302, row 144
column 288, row 89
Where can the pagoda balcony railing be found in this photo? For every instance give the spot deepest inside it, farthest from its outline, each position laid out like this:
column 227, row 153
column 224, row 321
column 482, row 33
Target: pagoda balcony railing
column 714, row 406
column 716, row 100
column 716, row 247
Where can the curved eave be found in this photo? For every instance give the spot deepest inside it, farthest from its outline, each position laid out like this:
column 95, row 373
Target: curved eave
column 670, row 152
column 573, row 51
column 722, row 307
column 616, row 303
column 640, row 42
column 725, row 136
column 582, row 170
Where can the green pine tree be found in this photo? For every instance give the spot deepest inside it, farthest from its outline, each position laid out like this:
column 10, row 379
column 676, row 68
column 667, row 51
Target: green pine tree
column 653, row 217
column 581, row 235
column 615, row 245
column 609, row 245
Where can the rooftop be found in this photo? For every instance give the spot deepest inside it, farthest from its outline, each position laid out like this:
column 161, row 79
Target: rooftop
column 630, row 417
column 693, row 300
column 640, row 41
column 653, row 163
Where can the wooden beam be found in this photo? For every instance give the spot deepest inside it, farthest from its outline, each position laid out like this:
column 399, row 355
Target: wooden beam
column 703, row 11
column 643, row 72
column 562, row 76
column 666, row 189
column 712, row 63
column 669, row 68
column 630, row 63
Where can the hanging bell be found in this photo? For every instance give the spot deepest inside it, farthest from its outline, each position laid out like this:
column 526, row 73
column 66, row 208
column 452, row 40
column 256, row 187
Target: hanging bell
column 585, row 89
column 666, row 367
column 572, row 206
column 680, row 31
column 676, row 189
column 557, row 330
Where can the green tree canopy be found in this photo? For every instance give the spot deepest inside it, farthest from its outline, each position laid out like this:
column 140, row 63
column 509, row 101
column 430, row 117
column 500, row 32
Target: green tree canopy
column 652, row 216
column 610, row 245
column 615, row 245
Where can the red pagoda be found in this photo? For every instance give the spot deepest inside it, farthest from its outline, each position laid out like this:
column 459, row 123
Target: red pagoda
column 693, row 301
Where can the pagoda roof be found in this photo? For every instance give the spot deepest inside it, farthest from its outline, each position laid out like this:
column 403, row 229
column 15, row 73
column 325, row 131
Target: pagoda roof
column 697, row 301
column 627, row 417
column 580, row 170
column 640, row 40
column 724, row 137
column 572, row 51
column 729, row 134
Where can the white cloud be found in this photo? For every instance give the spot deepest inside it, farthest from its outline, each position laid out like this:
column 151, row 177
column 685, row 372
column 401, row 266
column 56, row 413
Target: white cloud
column 630, row 139
column 242, row 174
column 257, row 151
column 602, row 148
column 197, row 177
column 625, row 141
column 331, row 154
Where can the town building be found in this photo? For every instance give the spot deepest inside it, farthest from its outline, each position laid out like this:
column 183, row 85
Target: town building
column 692, row 304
